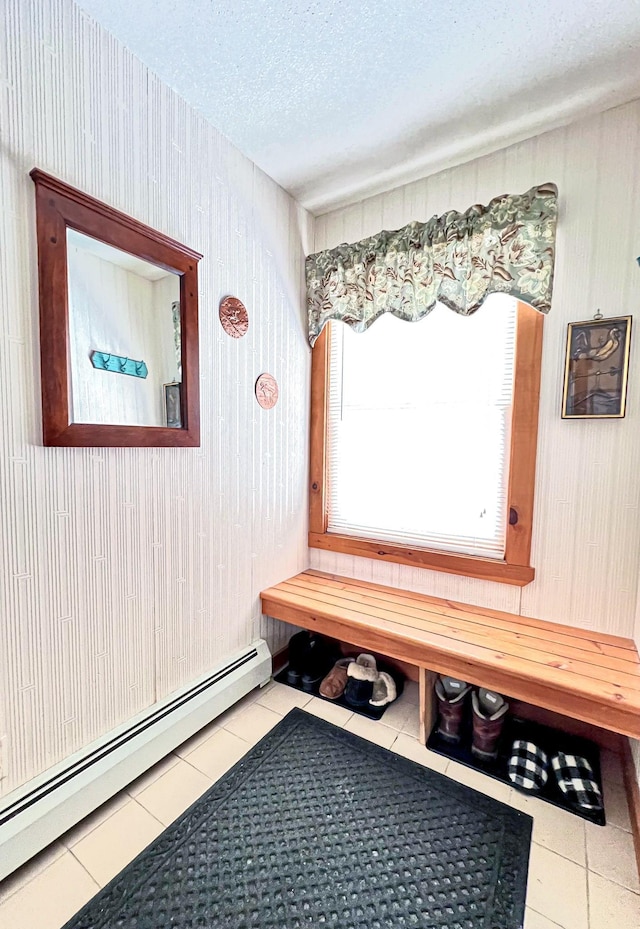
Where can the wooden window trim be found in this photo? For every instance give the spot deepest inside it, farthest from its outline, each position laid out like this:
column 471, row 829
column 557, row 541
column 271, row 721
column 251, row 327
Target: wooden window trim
column 515, row 568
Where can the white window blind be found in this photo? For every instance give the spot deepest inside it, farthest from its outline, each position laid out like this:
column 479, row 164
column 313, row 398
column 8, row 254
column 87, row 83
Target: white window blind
column 419, row 429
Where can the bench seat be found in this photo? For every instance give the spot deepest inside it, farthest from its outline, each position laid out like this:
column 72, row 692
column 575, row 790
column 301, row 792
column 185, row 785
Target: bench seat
column 590, row 676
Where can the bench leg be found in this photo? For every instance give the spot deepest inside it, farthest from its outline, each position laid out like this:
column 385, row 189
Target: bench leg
column 426, row 681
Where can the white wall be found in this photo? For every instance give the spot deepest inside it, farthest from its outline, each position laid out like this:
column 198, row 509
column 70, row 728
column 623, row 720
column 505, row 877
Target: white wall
column 586, row 541
column 115, row 310
column 124, row 573
column 635, row 744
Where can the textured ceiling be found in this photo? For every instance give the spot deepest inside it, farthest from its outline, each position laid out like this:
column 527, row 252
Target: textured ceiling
column 336, row 100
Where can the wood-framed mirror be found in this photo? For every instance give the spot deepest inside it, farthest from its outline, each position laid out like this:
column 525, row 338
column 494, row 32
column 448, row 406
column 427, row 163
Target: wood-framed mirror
column 118, row 326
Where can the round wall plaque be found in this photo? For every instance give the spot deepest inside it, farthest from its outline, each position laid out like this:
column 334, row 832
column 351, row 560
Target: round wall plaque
column 267, row 391
column 234, row 317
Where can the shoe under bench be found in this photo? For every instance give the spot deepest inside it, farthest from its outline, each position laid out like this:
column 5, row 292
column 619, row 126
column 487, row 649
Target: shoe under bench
column 585, row 675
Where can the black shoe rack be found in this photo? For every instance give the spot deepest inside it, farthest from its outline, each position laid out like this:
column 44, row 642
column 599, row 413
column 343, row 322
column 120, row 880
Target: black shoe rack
column 548, row 739
column 370, row 712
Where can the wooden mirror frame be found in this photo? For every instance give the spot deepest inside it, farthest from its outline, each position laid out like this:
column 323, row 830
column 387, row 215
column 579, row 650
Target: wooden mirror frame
column 59, row 207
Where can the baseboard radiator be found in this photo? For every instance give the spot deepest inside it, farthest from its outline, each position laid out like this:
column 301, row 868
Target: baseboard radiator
column 42, row 810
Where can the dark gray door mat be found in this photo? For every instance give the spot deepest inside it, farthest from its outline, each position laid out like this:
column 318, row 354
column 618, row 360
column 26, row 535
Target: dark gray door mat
column 316, row 827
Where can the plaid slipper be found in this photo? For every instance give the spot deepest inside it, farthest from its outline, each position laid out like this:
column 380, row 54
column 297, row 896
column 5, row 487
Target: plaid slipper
column 528, row 766
column 577, row 781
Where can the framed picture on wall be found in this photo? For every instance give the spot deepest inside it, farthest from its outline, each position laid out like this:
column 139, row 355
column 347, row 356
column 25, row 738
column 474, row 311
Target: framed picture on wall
column 173, row 406
column 596, row 369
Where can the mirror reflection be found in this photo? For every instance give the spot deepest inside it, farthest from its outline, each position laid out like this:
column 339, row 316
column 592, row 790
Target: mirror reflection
column 124, row 337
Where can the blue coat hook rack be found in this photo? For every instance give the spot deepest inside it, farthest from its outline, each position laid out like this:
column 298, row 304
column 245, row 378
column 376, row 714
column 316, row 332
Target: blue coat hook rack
column 118, row 364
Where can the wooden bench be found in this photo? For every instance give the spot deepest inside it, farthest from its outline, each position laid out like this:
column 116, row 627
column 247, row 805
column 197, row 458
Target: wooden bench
column 586, row 675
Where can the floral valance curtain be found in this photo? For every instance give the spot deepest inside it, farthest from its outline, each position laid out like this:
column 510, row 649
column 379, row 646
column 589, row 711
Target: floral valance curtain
column 457, row 259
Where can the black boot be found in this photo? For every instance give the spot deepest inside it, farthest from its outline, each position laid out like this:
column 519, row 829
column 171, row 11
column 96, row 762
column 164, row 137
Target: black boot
column 311, row 657
column 316, row 663
column 299, row 645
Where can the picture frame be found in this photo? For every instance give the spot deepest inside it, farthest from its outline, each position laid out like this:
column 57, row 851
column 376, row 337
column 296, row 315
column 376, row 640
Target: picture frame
column 173, row 405
column 596, row 368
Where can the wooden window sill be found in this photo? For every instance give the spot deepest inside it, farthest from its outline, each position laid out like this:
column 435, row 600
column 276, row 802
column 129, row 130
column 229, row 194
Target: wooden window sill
column 486, row 569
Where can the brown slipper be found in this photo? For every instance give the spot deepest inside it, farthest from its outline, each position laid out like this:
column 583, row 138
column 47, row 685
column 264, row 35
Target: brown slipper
column 335, row 682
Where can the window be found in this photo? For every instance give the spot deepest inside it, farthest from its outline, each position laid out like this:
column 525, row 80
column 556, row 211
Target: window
column 424, row 438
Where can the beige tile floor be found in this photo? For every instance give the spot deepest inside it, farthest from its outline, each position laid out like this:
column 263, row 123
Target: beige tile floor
column 581, row 876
